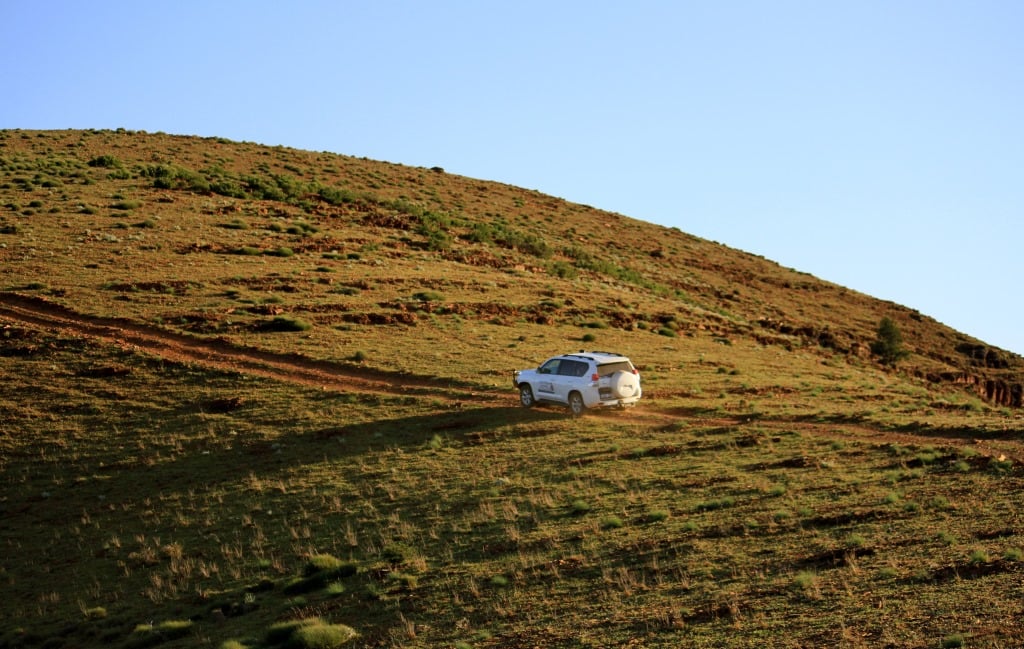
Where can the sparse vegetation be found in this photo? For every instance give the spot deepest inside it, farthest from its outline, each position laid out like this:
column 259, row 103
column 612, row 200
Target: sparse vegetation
column 179, row 472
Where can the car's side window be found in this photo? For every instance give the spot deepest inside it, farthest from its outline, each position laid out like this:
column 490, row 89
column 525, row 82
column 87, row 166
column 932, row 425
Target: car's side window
column 568, row 368
column 551, row 367
column 581, row 369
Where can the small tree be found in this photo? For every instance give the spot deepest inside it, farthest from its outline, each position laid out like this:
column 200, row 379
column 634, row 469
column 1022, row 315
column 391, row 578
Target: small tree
column 889, row 344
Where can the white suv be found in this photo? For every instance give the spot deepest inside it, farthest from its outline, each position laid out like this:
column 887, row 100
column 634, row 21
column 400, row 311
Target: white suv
column 580, row 381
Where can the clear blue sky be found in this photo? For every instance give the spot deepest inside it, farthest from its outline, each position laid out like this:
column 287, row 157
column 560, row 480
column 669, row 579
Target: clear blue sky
column 875, row 144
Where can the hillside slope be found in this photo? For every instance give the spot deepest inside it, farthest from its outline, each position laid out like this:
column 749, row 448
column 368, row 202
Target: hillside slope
column 259, row 398
column 200, row 234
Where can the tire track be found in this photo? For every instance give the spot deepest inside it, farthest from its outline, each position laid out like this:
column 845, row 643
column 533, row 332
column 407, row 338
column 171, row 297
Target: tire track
column 224, row 355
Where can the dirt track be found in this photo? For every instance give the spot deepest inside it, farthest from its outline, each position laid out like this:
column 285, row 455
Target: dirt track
column 226, row 356
column 223, row 355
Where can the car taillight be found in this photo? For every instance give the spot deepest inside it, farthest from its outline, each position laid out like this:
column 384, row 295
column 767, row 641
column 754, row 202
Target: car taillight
column 595, row 376
column 636, row 371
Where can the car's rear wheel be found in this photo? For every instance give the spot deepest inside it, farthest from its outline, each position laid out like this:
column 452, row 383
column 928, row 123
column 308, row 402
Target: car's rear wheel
column 576, row 405
column 526, row 396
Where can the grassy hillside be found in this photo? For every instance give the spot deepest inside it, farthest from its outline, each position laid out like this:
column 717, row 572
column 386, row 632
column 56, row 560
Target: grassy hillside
column 260, row 397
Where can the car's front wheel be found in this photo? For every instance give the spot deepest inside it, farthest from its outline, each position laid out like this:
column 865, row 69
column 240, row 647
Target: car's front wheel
column 526, row 395
column 576, row 405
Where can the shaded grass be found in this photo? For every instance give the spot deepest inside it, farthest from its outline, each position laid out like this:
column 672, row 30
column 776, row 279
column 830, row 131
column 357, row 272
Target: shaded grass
column 376, row 508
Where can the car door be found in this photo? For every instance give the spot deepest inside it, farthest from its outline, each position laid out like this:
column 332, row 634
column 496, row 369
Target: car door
column 568, row 379
column 548, row 373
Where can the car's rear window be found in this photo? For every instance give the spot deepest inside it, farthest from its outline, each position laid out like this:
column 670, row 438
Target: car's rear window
column 612, row 368
column 572, row 368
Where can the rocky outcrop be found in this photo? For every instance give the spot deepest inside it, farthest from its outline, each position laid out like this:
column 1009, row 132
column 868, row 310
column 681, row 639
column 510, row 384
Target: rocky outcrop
column 994, row 390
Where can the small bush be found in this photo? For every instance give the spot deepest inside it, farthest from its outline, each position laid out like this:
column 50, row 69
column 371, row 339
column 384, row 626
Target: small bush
column 611, row 523
column 499, row 581
column 946, row 538
column 579, row 507
column 403, row 579
column 953, row 641
column 105, row 161
column 979, row 556
column 711, row 505
column 806, row 582
column 429, row 296
column 657, row 515
column 321, row 636
column 563, row 270
column 286, row 323
column 283, row 251
column 330, row 565
column 127, row 205
column 248, row 251
column 149, row 635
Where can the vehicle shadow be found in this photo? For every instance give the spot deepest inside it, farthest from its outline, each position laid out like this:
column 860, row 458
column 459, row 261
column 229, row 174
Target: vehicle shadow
column 468, row 425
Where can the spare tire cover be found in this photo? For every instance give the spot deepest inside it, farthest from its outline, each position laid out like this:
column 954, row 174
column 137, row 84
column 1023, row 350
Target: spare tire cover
column 624, row 384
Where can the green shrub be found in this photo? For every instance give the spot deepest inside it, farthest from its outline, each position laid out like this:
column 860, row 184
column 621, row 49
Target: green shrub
column 429, row 296
column 286, row 323
column 149, row 635
column 888, row 346
column 499, row 581
column 563, row 270
column 657, row 515
column 612, row 523
column 330, row 565
column 283, row 251
column 403, row 579
column 321, row 636
column 979, row 556
column 953, row 641
column 105, row 161
column 579, row 506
